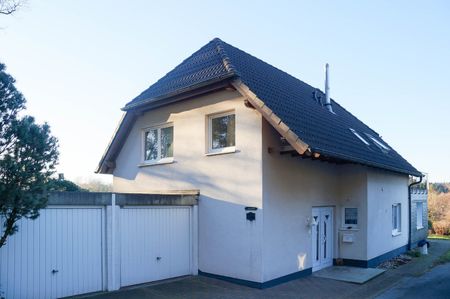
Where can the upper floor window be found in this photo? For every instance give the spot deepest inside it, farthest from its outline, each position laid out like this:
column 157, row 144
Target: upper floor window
column 221, row 132
column 158, row 143
column 396, row 219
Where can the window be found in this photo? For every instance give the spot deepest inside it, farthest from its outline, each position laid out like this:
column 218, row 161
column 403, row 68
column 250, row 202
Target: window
column 221, row 131
column 396, row 219
column 419, row 215
column 350, row 217
column 379, row 144
column 158, row 144
column 359, row 137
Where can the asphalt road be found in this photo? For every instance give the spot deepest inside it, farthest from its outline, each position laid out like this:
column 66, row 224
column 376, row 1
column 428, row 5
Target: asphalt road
column 433, row 284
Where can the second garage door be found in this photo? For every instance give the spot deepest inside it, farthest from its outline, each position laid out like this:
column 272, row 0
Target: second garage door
column 155, row 243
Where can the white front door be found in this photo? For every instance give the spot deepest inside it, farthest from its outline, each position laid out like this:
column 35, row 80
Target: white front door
column 322, row 238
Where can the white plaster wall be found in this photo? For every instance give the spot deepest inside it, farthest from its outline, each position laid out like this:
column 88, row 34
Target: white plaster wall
column 282, row 187
column 229, row 245
column 384, row 189
column 291, row 187
column 352, row 194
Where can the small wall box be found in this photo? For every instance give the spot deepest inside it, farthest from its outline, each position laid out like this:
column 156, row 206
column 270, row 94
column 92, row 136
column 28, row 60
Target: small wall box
column 347, row 238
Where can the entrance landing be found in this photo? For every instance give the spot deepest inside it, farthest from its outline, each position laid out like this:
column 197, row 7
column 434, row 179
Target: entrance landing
column 349, row 274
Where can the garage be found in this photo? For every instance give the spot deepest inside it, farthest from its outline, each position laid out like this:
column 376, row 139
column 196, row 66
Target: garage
column 156, row 243
column 86, row 242
column 57, row 255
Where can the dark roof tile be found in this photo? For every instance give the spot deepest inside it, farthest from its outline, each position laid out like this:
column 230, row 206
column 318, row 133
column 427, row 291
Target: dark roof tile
column 288, row 97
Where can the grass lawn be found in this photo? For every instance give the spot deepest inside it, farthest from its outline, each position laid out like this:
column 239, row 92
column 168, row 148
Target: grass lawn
column 439, row 237
column 445, row 258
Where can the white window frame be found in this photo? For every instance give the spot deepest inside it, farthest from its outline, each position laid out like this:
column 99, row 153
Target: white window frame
column 397, row 227
column 419, row 215
column 350, row 226
column 359, row 137
column 223, row 150
column 158, row 160
column 379, row 143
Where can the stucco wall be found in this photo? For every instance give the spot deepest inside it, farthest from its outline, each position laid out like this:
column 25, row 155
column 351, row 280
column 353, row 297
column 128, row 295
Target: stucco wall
column 283, row 188
column 291, row 187
column 353, row 194
column 384, row 190
column 229, row 245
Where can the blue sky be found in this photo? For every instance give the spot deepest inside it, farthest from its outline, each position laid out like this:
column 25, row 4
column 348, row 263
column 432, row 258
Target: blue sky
column 79, row 62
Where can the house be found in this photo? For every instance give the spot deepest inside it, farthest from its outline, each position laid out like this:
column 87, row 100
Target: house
column 289, row 180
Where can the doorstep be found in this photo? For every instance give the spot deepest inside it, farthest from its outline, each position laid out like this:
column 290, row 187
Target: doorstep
column 349, row 274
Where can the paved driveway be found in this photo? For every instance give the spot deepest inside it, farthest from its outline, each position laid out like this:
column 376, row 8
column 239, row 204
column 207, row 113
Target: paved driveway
column 199, row 287
column 433, row 284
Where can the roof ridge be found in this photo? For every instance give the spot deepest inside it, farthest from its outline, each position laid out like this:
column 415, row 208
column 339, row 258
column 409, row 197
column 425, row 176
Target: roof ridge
column 265, row 62
column 229, row 66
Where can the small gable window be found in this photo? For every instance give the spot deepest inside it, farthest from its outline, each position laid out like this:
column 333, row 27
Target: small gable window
column 359, row 136
column 158, row 144
column 221, row 133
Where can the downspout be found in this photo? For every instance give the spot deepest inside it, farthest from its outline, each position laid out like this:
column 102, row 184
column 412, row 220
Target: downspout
column 409, row 209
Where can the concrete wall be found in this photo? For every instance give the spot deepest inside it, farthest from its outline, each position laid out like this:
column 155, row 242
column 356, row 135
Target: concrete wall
column 418, row 234
column 229, row 245
column 291, row 187
column 385, row 189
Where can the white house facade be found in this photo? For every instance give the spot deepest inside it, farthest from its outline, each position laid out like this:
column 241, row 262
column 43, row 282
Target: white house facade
column 289, row 182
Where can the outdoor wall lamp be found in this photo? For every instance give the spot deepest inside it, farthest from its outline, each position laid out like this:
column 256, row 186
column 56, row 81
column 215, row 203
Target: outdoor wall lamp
column 311, row 222
column 250, row 216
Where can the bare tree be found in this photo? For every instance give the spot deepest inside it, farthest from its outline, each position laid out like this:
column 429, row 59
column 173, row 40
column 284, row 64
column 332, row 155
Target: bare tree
column 8, row 7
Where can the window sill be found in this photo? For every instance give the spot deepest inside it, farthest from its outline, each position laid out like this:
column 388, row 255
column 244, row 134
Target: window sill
column 159, row 162
column 395, row 234
column 355, row 229
column 419, row 227
column 227, row 150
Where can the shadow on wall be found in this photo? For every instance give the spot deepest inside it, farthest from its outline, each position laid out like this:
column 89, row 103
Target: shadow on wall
column 214, row 176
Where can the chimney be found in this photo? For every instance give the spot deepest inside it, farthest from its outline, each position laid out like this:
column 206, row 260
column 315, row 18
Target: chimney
column 61, row 176
column 327, row 90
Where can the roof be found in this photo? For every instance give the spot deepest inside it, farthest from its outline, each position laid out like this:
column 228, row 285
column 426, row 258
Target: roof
column 297, row 104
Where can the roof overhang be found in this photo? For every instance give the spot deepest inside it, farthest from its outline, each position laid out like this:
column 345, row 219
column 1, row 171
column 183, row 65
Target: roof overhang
column 328, row 157
column 180, row 94
column 299, row 146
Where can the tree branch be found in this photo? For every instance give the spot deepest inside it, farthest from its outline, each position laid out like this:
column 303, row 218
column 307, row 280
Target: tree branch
column 9, row 227
column 8, row 7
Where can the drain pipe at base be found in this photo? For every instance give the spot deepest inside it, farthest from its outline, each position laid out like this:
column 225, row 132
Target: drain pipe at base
column 409, row 210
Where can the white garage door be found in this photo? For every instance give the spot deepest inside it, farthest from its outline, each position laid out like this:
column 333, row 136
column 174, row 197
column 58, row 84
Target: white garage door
column 59, row 254
column 155, row 243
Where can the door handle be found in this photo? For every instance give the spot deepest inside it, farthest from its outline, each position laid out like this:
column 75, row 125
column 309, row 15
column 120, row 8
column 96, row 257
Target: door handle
column 158, row 258
column 54, row 271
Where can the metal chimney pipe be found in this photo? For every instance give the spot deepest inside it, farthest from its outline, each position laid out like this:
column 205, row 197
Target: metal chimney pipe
column 327, row 90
